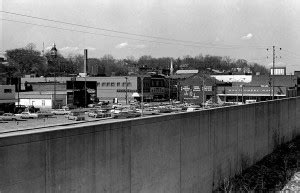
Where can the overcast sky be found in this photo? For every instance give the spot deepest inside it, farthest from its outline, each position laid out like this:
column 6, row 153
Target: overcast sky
column 235, row 28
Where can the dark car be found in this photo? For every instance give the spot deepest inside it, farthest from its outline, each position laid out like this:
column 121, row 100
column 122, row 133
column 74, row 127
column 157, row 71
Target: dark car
column 124, row 115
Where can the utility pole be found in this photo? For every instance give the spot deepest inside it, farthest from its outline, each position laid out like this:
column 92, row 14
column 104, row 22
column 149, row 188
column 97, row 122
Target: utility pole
column 273, row 77
column 272, row 72
column 53, row 53
column 85, row 92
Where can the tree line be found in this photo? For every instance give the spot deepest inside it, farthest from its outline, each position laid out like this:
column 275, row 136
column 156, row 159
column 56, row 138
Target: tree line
column 28, row 60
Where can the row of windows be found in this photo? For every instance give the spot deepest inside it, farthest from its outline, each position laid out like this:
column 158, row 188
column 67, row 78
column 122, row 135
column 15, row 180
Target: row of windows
column 251, row 90
column 113, row 84
column 7, row 90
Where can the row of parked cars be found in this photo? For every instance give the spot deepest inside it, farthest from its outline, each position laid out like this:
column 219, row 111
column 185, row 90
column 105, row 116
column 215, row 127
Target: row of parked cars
column 116, row 111
column 24, row 115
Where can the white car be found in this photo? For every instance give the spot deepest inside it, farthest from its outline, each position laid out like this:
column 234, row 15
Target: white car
column 148, row 111
column 193, row 108
column 60, row 112
column 8, row 117
column 27, row 115
column 116, row 106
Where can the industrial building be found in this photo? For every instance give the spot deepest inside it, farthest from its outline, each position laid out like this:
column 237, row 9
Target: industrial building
column 7, row 98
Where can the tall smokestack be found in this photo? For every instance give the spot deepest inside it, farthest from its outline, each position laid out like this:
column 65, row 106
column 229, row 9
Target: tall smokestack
column 171, row 68
column 85, row 64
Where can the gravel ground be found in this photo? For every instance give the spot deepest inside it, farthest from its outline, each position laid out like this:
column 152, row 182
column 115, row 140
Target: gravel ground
column 278, row 171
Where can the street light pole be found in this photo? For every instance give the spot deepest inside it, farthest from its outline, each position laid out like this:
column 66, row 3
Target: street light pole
column 126, row 91
column 18, row 91
column 169, row 89
column 73, row 90
column 203, row 93
column 242, row 94
column 54, row 102
column 142, row 99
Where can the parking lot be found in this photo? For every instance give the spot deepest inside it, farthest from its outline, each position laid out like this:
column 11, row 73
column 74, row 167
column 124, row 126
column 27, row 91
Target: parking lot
column 24, row 124
column 7, row 126
column 58, row 120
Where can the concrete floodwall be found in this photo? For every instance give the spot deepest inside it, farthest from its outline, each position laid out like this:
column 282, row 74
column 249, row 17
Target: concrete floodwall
column 180, row 153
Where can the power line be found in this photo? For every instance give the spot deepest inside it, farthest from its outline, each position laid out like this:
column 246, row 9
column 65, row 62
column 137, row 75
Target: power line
column 128, row 33
column 292, row 54
column 123, row 37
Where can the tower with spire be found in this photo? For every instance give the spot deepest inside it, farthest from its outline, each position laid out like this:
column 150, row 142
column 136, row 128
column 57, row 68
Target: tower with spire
column 53, row 51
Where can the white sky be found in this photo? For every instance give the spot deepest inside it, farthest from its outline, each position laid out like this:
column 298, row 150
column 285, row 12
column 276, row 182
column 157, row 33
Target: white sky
column 249, row 24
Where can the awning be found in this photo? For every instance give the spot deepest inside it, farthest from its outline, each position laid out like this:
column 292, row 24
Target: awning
column 8, row 101
column 135, row 94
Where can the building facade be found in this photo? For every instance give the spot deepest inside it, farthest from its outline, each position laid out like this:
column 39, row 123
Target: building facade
column 259, row 88
column 198, row 89
column 7, row 98
column 43, row 99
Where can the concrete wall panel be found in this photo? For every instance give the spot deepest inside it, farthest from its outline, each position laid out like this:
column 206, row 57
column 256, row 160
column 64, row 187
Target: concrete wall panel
column 22, row 167
column 188, row 152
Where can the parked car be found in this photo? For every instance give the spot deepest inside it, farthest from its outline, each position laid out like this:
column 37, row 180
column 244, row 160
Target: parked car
column 60, row 112
column 27, row 115
column 100, row 114
column 116, row 106
column 91, row 105
column 124, row 115
column 33, row 109
column 149, row 111
column 19, row 108
column 8, row 117
column 43, row 114
column 164, row 110
column 193, row 108
column 69, row 107
column 76, row 116
column 103, row 102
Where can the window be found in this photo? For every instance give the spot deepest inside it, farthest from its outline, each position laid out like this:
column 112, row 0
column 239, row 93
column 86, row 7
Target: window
column 118, row 84
column 112, row 84
column 7, row 90
column 107, row 84
column 43, row 102
column 128, row 84
column 103, row 84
